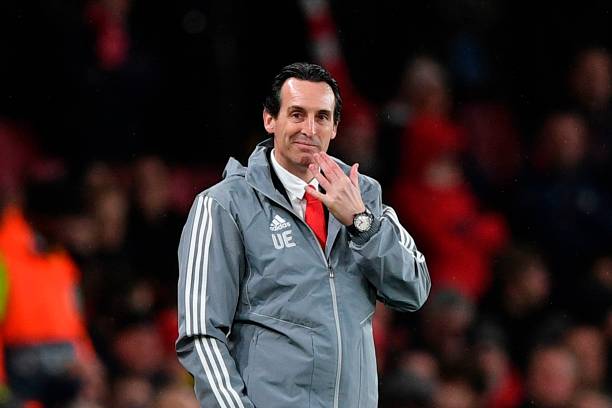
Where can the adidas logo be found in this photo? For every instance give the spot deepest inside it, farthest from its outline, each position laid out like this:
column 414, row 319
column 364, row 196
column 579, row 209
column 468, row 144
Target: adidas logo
column 278, row 223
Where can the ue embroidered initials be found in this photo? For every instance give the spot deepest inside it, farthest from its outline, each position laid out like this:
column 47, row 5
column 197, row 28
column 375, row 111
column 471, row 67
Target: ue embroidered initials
column 281, row 239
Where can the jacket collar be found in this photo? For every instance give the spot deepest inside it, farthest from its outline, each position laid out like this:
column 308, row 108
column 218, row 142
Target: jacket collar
column 295, row 186
column 261, row 177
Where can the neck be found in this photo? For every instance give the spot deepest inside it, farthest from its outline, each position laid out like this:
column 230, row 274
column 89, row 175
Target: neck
column 302, row 173
column 297, row 170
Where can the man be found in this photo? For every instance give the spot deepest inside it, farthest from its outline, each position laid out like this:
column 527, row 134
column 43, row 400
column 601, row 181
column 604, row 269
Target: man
column 282, row 262
column 46, row 355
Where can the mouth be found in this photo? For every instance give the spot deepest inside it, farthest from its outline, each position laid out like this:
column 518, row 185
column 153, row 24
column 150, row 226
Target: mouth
column 306, row 145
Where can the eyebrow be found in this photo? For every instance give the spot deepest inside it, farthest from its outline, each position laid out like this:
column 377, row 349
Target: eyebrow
column 300, row 108
column 295, row 107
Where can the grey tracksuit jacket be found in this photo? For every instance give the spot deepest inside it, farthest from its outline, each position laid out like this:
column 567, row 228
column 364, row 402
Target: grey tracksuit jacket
column 266, row 317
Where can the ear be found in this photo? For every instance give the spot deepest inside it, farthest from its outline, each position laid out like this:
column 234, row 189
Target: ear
column 334, row 130
column 269, row 122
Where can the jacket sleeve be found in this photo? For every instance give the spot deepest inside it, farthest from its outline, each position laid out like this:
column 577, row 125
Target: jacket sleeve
column 211, row 264
column 391, row 261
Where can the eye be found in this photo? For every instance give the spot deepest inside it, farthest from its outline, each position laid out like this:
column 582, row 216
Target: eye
column 296, row 115
column 323, row 116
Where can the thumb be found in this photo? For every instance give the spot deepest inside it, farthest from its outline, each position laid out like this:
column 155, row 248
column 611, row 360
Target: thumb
column 354, row 175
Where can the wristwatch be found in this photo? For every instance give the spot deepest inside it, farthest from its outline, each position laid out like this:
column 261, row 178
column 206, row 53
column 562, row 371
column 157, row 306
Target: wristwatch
column 364, row 226
column 362, row 222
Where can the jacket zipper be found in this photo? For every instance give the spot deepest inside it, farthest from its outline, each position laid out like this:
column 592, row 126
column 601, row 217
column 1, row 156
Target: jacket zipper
column 334, row 302
column 332, row 285
column 337, row 319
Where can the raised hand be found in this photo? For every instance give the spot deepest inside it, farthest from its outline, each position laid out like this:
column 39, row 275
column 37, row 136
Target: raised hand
column 342, row 195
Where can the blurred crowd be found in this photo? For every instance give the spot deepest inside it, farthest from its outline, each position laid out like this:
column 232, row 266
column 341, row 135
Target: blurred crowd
column 89, row 275
column 515, row 224
column 517, row 236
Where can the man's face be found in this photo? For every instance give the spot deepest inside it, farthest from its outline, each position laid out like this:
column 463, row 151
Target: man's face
column 304, row 125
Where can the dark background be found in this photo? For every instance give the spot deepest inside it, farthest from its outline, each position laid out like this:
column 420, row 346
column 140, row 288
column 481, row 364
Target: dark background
column 197, row 71
column 516, row 227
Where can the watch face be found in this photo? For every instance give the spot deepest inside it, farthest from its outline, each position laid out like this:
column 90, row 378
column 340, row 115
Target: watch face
column 362, row 222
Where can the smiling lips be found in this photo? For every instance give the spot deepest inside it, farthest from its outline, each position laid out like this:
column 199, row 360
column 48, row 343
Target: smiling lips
column 306, row 144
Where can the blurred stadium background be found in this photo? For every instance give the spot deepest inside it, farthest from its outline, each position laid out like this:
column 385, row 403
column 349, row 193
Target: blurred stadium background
column 488, row 123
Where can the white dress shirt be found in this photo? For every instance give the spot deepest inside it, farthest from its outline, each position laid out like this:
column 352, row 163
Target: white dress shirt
column 295, row 186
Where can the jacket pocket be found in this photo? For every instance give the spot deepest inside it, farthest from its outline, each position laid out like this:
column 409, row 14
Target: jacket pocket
column 368, row 376
column 281, row 369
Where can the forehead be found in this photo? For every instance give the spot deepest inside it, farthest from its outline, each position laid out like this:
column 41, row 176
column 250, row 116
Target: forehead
column 307, row 94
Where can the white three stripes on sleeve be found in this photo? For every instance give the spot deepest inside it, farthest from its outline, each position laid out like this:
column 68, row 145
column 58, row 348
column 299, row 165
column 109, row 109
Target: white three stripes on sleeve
column 225, row 372
column 220, row 385
column 195, row 270
column 405, row 239
column 195, row 312
column 205, row 269
column 194, row 230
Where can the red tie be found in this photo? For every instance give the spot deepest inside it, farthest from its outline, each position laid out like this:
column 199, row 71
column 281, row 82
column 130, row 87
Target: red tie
column 315, row 218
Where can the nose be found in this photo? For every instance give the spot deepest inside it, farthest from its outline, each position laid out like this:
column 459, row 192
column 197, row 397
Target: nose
column 310, row 127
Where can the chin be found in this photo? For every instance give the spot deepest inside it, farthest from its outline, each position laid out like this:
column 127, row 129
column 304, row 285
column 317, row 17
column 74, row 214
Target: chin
column 305, row 160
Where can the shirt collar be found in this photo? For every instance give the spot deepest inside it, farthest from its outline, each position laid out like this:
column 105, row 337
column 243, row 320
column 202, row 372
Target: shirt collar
column 295, row 186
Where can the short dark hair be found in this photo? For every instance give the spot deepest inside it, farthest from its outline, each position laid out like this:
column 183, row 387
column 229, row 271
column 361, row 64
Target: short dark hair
column 306, row 72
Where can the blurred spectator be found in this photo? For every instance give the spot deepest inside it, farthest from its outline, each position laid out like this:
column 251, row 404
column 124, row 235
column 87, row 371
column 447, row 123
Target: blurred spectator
column 426, row 88
column 490, row 129
column 17, row 154
column 595, row 293
column 422, row 365
column 422, row 90
column 519, row 301
column 591, row 399
column 563, row 144
column 48, row 354
column 143, row 365
column 110, row 215
column 389, row 337
column 447, row 317
column 132, row 392
column 487, row 128
column 175, row 397
column 503, row 386
column 560, row 207
column 109, row 18
column 413, row 383
column 591, row 79
column 591, row 85
column 589, row 346
column 432, row 197
column 108, row 267
column 456, row 393
column 440, row 347
column 137, row 347
column 153, row 228
column 552, row 378
column 121, row 295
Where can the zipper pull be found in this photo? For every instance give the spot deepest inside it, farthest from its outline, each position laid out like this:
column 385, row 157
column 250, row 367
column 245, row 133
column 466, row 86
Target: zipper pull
column 331, row 271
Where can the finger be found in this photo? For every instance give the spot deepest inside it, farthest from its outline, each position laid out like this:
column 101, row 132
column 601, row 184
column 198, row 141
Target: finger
column 331, row 176
column 328, row 167
column 333, row 165
column 325, row 183
column 316, row 194
column 354, row 175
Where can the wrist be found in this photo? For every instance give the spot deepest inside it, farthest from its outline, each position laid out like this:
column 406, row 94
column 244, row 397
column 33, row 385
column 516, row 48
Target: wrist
column 364, row 225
